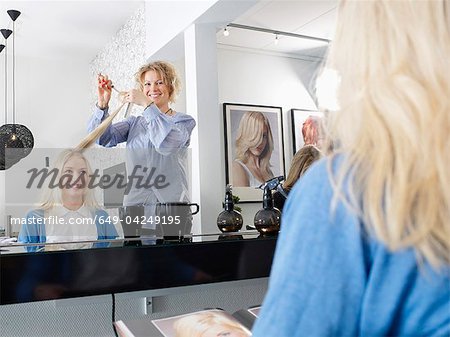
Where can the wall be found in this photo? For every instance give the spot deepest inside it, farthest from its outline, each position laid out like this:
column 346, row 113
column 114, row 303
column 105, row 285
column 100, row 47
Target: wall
column 92, row 316
column 55, row 97
column 253, row 77
column 52, row 100
column 174, row 17
column 121, row 58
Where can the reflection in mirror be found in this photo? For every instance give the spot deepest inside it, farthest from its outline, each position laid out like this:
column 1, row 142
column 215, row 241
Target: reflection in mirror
column 56, row 95
column 62, row 198
column 70, row 201
column 15, row 248
column 113, row 42
column 156, row 140
column 272, row 64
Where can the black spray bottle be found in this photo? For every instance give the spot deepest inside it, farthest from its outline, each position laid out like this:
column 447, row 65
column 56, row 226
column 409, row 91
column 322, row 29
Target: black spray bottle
column 229, row 220
column 267, row 220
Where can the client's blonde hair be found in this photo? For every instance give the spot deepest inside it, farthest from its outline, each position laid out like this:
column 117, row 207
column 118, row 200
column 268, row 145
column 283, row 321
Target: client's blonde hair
column 98, row 131
column 393, row 60
column 52, row 196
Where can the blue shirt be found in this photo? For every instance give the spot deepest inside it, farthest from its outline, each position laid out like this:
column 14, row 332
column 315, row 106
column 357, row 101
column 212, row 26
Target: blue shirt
column 154, row 140
column 151, row 130
column 330, row 279
column 33, row 230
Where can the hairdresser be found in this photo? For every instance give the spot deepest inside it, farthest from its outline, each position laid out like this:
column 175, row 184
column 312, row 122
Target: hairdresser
column 157, row 138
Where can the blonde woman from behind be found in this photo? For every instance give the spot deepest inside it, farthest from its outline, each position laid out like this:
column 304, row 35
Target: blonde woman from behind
column 365, row 245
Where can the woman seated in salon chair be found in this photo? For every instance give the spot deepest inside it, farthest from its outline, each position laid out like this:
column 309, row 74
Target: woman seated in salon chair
column 69, row 212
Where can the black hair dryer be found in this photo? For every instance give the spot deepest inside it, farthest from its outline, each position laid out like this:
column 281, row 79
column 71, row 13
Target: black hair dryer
column 267, row 219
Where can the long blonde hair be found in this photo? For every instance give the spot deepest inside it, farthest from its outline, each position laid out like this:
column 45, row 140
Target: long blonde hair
column 393, row 60
column 52, row 196
column 250, row 134
column 90, row 139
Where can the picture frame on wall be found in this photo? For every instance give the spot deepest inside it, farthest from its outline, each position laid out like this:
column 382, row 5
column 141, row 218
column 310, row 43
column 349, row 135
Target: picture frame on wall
column 254, row 148
column 306, row 126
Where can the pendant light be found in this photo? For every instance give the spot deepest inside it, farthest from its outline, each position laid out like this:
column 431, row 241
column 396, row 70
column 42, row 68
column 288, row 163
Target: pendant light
column 3, row 136
column 13, row 136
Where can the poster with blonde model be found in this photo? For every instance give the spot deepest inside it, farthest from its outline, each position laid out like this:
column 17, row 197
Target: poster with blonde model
column 254, row 149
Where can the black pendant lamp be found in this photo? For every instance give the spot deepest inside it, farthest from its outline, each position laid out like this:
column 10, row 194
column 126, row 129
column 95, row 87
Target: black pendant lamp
column 16, row 137
column 3, row 136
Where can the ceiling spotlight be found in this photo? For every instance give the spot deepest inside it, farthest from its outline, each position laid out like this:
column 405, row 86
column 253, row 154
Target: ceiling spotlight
column 226, row 32
column 276, row 39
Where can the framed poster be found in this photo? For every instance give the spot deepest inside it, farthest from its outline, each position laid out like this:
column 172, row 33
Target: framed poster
column 254, row 149
column 307, row 128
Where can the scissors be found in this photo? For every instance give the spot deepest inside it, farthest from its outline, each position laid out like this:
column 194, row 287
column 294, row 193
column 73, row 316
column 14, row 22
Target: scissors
column 129, row 106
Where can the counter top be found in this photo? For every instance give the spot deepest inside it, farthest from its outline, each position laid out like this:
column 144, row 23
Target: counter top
column 130, row 265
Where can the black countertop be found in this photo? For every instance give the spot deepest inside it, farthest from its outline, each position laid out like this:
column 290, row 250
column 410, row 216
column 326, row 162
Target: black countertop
column 131, row 265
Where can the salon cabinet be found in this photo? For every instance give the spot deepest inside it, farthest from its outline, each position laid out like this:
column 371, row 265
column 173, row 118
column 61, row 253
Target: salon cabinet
column 68, row 292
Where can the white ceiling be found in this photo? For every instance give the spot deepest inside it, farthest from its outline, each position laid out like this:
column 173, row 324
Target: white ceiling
column 63, row 29
column 306, row 17
column 60, row 29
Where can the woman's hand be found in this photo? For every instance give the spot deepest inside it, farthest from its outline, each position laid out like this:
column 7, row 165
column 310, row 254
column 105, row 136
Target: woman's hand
column 137, row 97
column 104, row 87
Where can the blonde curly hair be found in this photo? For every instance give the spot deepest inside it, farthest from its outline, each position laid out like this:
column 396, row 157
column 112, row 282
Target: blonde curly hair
column 168, row 74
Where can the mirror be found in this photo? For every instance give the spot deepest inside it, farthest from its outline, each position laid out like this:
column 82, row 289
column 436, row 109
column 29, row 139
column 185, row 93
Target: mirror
column 266, row 59
column 59, row 53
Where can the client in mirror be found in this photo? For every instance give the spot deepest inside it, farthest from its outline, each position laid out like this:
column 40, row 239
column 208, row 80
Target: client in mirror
column 68, row 211
column 254, row 147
